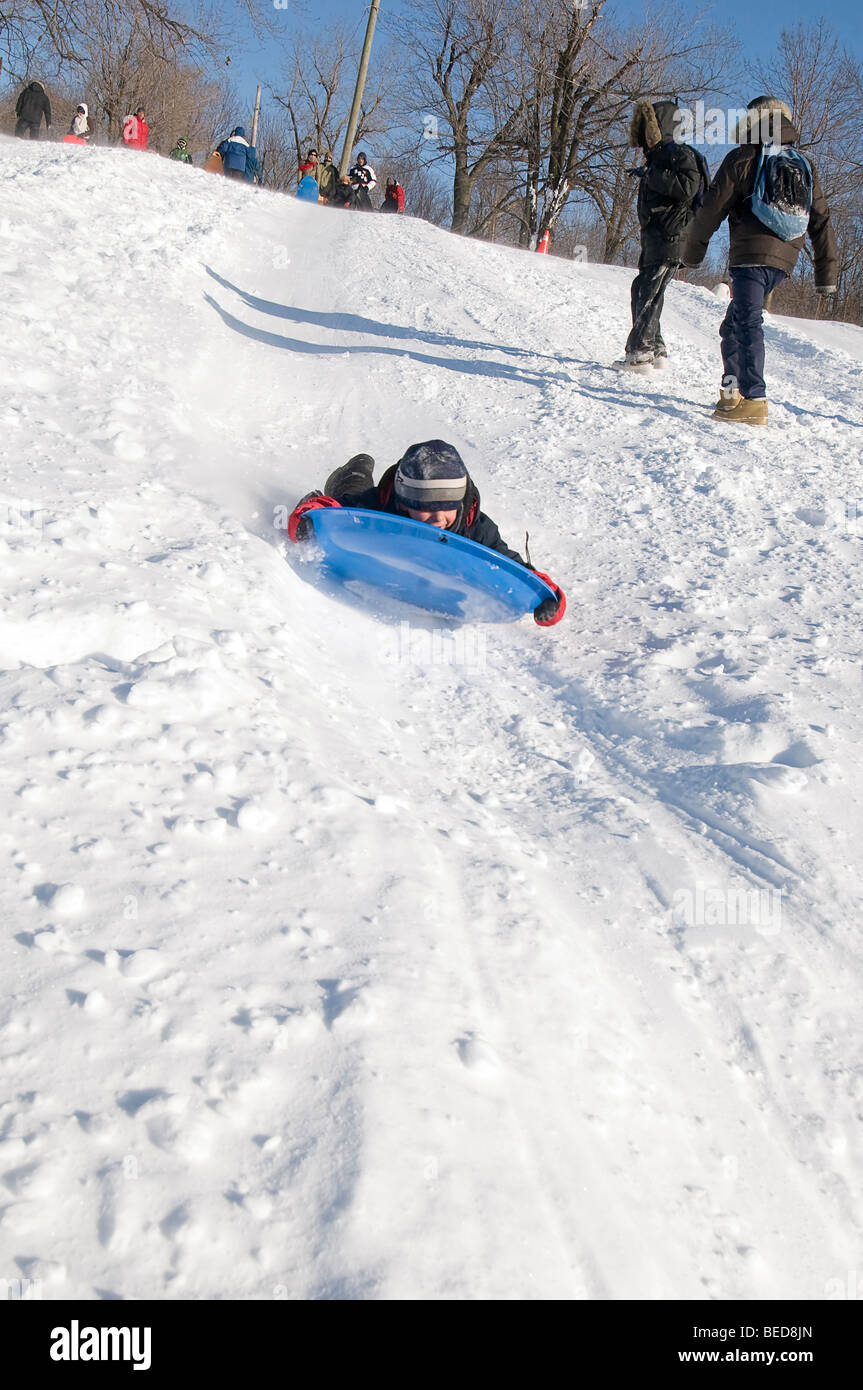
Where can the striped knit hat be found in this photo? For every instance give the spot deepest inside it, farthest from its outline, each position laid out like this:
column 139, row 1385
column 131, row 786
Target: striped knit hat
column 430, row 477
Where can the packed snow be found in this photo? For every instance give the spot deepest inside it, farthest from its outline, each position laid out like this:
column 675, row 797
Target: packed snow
column 350, row 954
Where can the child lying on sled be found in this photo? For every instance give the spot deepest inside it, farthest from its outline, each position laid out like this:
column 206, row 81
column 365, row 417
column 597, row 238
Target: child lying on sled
column 430, row 484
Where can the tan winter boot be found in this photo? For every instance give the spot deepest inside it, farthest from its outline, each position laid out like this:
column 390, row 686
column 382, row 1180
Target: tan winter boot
column 727, row 399
column 729, row 396
column 745, row 412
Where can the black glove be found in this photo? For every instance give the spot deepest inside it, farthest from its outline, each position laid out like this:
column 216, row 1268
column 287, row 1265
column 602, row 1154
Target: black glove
column 550, row 610
column 546, row 610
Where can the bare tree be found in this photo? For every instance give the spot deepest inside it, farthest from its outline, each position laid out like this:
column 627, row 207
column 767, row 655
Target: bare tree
column 62, row 30
column 606, row 181
column 117, row 55
column 276, row 151
column 56, row 32
column 426, row 196
column 458, row 83
column 316, row 94
column 533, row 102
column 117, row 70
column 586, row 75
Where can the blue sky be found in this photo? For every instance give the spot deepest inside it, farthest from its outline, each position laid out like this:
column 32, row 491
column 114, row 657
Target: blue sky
column 758, row 23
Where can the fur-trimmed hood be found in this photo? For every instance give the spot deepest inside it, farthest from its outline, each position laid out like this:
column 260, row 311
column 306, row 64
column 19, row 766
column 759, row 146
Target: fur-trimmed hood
column 757, row 125
column 653, row 122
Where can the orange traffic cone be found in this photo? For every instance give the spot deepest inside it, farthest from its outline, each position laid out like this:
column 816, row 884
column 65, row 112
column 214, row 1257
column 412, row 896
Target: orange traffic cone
column 542, row 249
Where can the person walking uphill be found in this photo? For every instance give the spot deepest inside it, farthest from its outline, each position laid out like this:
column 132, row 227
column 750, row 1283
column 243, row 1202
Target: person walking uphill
column 672, row 181
column 239, row 158
column 31, row 106
column 771, row 196
column 429, row 484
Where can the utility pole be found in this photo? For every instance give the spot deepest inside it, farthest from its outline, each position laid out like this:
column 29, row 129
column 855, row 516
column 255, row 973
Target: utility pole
column 254, row 139
column 354, row 117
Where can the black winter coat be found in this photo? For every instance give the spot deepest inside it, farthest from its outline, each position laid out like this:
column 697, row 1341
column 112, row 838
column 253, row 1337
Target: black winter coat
column 751, row 242
column 673, row 178
column 33, row 104
column 352, row 485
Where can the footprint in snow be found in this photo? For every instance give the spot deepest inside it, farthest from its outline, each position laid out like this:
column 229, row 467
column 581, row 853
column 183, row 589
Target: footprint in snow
column 812, row 516
column 65, row 899
column 143, row 964
column 479, row 1057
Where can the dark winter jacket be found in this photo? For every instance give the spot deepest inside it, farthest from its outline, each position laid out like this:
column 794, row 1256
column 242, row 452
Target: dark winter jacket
column 674, row 178
column 238, row 156
column 327, row 176
column 352, row 485
column 342, row 195
column 729, row 196
column 363, row 173
column 33, row 104
column 394, row 198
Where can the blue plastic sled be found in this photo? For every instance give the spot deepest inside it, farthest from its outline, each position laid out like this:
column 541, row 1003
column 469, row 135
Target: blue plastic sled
column 424, row 566
column 308, row 190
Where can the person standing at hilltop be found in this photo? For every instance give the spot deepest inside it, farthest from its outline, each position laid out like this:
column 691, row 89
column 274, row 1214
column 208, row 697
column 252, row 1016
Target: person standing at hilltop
column 31, row 106
column 136, row 132
column 364, row 179
column 309, row 165
column 327, row 175
column 80, row 126
column 181, row 151
column 394, row 197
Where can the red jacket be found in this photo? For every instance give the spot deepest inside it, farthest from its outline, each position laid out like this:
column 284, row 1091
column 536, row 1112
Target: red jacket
column 394, row 195
column 136, row 133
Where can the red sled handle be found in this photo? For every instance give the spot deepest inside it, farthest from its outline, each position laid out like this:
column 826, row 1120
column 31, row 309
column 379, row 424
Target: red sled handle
column 561, row 606
column 296, row 532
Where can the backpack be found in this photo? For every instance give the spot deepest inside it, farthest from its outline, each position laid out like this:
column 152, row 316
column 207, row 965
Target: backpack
column 782, row 195
column 704, row 171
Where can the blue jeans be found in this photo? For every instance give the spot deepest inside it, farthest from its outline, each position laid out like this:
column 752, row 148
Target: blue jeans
column 741, row 332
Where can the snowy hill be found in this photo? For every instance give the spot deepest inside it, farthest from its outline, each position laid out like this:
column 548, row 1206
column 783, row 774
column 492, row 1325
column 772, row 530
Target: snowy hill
column 347, row 959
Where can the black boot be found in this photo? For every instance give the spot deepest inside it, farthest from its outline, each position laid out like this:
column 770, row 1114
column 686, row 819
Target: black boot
column 355, row 476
